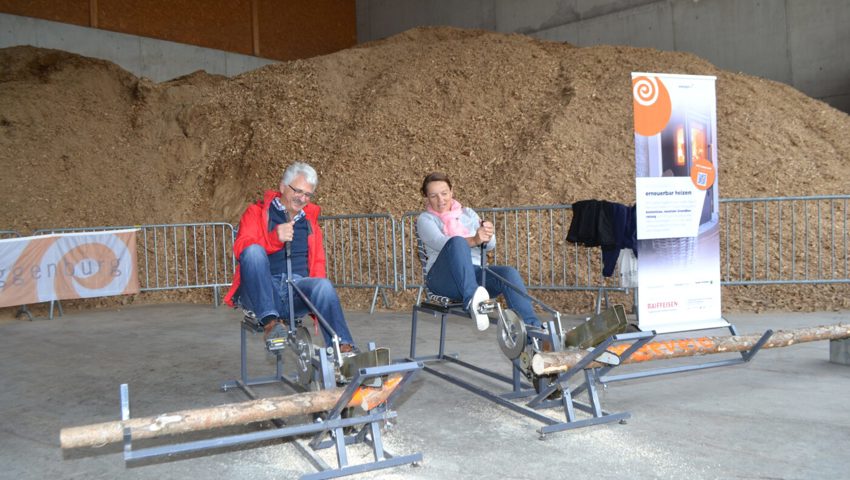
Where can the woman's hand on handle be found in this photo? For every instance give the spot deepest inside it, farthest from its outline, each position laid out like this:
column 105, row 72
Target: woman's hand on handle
column 484, row 233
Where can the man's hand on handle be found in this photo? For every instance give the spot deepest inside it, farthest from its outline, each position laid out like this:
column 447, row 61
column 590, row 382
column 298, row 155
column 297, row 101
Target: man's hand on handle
column 286, row 231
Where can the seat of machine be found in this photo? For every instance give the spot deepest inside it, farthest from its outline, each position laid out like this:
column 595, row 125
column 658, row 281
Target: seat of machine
column 441, row 303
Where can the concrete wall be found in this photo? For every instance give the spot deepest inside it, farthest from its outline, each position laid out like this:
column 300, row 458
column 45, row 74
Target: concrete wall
column 157, row 60
column 803, row 43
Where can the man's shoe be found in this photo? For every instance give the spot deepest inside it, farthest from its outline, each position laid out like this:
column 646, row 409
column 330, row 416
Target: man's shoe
column 274, row 334
column 482, row 320
column 348, row 349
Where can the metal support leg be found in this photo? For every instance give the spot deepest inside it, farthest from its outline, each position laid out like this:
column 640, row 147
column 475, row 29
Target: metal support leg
column 243, row 356
column 519, row 389
column 245, row 381
column 339, row 440
column 377, row 441
column 374, row 299
column 569, row 409
column 386, row 299
column 125, row 415
column 413, row 323
column 590, row 381
column 517, row 375
column 442, row 350
column 597, row 305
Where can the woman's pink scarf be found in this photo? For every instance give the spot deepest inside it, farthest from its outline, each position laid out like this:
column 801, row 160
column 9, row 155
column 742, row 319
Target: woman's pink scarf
column 451, row 220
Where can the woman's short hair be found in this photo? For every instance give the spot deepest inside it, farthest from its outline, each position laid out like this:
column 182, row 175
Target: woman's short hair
column 300, row 168
column 434, row 177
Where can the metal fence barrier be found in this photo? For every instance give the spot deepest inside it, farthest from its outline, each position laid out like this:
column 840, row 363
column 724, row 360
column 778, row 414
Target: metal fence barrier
column 785, row 240
column 778, row 240
column 360, row 252
column 178, row 256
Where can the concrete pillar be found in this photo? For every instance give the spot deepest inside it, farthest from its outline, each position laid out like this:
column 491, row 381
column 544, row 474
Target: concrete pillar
column 839, row 351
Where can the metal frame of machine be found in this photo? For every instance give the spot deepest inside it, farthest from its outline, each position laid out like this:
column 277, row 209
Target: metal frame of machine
column 541, row 398
column 521, row 389
column 366, row 429
column 519, row 342
column 322, row 368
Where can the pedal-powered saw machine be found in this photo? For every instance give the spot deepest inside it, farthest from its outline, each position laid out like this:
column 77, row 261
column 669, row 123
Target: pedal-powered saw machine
column 538, row 355
column 346, row 399
column 313, row 367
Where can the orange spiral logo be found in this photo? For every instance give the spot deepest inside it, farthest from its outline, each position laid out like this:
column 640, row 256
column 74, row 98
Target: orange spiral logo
column 86, row 273
column 652, row 106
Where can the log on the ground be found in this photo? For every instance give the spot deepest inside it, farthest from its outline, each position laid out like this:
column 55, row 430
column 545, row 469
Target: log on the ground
column 549, row 363
column 231, row 414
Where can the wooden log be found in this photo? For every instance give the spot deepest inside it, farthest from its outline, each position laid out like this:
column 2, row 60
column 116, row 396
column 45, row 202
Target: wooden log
column 549, row 363
column 100, row 434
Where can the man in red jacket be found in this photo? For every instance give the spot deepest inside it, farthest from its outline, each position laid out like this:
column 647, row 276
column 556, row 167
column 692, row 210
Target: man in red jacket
column 285, row 216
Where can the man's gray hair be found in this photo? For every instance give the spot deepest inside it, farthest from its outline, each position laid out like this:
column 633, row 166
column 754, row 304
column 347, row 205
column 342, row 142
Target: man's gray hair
column 300, row 168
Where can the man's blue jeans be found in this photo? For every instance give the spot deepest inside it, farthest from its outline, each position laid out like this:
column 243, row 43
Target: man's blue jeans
column 266, row 294
column 453, row 275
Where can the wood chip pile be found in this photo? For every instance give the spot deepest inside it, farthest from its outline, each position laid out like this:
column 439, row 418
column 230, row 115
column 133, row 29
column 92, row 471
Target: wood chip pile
column 514, row 121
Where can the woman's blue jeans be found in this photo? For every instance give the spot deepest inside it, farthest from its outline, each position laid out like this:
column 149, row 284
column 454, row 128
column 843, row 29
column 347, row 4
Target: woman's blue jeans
column 267, row 295
column 453, row 275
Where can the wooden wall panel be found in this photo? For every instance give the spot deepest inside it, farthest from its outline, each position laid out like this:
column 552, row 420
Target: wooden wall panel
column 75, row 12
column 291, row 29
column 286, row 29
column 220, row 24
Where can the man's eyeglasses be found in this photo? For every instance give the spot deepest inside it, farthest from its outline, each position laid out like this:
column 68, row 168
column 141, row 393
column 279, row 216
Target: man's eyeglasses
column 302, row 193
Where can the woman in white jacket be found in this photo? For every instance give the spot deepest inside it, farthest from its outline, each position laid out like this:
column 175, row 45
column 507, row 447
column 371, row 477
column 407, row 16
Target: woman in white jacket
column 452, row 235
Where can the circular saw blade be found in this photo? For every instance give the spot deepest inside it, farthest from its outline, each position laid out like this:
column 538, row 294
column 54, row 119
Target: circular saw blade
column 511, row 334
column 302, row 348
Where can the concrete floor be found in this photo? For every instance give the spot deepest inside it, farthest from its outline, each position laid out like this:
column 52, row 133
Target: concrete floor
column 784, row 415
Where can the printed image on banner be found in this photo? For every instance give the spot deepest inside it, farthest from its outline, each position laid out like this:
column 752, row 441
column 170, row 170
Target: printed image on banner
column 677, row 202
column 66, row 266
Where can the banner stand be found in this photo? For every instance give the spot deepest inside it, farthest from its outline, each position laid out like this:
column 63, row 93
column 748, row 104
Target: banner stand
column 677, row 212
column 24, row 310
column 58, row 305
column 676, row 202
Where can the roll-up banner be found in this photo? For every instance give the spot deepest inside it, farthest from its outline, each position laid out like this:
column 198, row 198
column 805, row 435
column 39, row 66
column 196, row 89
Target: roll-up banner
column 677, row 202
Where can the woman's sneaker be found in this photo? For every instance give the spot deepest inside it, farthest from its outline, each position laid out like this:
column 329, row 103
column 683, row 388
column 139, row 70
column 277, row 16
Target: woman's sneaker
column 347, row 349
column 482, row 320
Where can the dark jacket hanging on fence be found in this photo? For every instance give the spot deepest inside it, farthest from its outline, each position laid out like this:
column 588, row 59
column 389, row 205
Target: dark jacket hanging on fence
column 609, row 225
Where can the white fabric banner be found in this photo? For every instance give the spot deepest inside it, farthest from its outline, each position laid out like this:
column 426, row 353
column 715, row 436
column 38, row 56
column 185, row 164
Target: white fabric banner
column 65, row 266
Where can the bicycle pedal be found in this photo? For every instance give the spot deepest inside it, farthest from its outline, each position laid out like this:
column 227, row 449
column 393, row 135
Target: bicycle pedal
column 275, row 344
column 487, row 306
